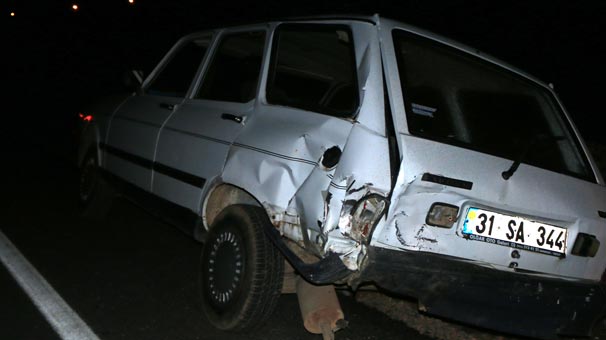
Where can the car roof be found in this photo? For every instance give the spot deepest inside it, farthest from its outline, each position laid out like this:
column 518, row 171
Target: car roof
column 389, row 23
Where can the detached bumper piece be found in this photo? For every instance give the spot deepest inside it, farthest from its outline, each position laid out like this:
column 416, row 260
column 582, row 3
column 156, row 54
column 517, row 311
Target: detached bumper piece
column 514, row 303
column 326, row 271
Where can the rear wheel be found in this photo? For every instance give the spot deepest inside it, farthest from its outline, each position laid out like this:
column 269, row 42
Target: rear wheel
column 241, row 270
column 95, row 195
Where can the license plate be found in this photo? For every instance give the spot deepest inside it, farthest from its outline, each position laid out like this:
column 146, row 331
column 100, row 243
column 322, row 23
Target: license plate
column 515, row 232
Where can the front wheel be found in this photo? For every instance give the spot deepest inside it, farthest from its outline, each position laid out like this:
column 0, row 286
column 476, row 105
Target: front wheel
column 241, row 270
column 95, row 195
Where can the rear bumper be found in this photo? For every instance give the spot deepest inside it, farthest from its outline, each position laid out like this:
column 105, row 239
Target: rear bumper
column 509, row 302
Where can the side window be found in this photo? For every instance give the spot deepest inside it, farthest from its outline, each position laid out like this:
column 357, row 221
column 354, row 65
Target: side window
column 234, row 71
column 313, row 68
column 176, row 76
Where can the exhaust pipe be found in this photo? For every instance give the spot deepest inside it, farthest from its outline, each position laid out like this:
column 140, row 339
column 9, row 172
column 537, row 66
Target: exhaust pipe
column 320, row 309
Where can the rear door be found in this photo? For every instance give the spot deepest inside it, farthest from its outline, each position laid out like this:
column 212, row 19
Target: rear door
column 317, row 75
column 134, row 129
column 194, row 143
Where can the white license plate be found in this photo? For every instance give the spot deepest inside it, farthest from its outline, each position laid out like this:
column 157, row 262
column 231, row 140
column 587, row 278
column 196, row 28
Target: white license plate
column 515, row 232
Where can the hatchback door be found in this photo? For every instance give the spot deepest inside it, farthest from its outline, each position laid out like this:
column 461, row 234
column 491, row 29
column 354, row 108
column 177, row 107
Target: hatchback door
column 498, row 146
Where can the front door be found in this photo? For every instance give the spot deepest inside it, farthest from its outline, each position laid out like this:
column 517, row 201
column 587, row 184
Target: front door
column 134, row 129
column 195, row 141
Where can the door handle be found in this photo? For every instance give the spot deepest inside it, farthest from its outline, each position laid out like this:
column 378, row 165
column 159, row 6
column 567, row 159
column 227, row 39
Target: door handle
column 167, row 106
column 235, row 118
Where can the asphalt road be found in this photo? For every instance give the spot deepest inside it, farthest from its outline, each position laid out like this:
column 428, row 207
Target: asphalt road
column 128, row 276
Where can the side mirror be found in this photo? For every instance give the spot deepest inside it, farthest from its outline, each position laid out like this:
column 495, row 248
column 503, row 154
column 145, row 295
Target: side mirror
column 133, row 79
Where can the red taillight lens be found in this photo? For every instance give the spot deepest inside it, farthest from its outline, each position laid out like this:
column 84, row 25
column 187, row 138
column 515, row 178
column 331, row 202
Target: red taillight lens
column 85, row 117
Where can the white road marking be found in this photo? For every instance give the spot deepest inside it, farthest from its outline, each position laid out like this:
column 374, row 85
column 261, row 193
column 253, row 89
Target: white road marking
column 63, row 319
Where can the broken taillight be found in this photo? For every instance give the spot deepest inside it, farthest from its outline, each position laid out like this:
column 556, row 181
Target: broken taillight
column 365, row 215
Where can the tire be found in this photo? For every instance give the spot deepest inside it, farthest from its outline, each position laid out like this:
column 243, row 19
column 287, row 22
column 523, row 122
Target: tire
column 241, row 270
column 95, row 195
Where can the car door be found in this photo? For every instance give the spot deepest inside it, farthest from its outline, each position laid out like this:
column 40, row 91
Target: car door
column 131, row 141
column 310, row 97
column 195, row 141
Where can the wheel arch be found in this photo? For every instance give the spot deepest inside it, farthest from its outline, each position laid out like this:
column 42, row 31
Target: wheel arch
column 222, row 195
column 89, row 142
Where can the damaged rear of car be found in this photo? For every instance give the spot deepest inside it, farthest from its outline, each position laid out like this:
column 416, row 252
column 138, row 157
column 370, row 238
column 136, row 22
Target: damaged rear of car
column 368, row 151
column 497, row 214
column 463, row 183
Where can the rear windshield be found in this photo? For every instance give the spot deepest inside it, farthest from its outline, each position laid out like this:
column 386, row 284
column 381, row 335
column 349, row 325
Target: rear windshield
column 456, row 98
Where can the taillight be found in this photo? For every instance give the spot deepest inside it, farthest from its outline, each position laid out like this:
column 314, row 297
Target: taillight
column 85, row 117
column 365, row 215
column 585, row 245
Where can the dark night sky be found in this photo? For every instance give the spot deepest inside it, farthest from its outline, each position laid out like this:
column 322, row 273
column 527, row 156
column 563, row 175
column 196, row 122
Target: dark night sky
column 58, row 60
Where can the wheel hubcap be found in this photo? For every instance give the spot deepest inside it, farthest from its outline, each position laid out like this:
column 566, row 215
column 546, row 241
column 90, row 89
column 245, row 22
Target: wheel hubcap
column 225, row 268
column 87, row 180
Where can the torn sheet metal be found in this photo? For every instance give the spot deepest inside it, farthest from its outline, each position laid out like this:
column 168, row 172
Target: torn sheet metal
column 287, row 177
column 371, row 112
column 314, row 212
column 287, row 223
column 275, row 171
column 347, row 186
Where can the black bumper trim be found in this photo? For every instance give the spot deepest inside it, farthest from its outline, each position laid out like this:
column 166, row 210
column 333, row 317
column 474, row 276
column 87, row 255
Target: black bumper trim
column 328, row 270
column 508, row 302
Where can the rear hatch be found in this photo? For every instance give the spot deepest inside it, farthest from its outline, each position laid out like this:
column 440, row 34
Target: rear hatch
column 537, row 197
column 498, row 146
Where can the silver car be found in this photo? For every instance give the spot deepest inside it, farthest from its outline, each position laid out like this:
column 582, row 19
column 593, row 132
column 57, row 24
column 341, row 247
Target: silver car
column 361, row 150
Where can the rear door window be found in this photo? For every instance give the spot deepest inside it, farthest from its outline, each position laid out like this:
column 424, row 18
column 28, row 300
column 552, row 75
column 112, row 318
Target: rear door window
column 313, row 68
column 234, row 71
column 457, row 98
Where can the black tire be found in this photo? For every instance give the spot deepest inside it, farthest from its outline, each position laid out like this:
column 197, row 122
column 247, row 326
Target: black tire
column 95, row 195
column 241, row 270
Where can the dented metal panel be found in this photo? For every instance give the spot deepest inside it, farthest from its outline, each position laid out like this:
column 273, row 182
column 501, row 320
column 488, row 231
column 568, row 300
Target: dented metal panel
column 351, row 183
column 284, row 169
column 533, row 193
column 278, row 163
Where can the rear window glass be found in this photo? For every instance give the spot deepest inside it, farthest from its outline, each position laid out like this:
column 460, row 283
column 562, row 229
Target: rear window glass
column 456, row 98
column 234, row 71
column 313, row 68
